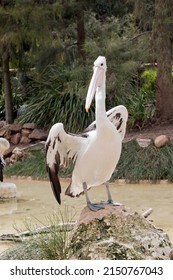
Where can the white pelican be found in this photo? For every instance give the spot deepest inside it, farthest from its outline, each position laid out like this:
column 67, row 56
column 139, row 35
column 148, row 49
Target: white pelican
column 96, row 152
column 4, row 145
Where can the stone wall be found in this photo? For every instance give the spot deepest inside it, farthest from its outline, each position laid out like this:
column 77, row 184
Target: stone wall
column 22, row 133
column 21, row 137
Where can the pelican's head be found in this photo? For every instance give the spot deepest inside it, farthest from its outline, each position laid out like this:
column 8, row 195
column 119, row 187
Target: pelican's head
column 99, row 70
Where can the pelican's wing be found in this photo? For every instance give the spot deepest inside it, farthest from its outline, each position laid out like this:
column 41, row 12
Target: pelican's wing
column 60, row 147
column 118, row 116
column 2, row 164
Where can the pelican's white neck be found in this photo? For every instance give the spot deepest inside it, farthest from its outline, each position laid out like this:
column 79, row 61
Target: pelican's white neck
column 100, row 102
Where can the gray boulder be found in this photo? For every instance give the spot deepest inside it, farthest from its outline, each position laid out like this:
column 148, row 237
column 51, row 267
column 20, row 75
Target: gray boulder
column 117, row 233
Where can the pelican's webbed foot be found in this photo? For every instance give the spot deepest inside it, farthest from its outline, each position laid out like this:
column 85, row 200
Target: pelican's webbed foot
column 92, row 206
column 111, row 202
column 95, row 206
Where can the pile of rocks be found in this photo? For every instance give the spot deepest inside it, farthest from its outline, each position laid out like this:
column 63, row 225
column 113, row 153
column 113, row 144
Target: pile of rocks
column 22, row 133
column 21, row 137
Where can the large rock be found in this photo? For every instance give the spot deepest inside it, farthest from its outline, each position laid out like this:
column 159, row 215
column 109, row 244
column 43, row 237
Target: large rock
column 15, row 138
column 31, row 126
column 5, row 132
column 25, row 140
column 26, row 132
column 117, row 232
column 38, row 134
column 15, row 127
column 161, row 141
column 7, row 190
column 2, row 124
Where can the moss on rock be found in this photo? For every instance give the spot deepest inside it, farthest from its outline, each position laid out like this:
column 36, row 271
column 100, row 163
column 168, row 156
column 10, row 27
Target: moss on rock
column 117, row 233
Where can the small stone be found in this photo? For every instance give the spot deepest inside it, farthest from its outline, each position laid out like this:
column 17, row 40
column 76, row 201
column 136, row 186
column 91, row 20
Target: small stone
column 17, row 151
column 161, row 141
column 7, row 161
column 16, row 155
column 144, row 143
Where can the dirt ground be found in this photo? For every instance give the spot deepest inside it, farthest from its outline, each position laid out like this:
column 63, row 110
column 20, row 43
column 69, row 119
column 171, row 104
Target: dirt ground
column 151, row 132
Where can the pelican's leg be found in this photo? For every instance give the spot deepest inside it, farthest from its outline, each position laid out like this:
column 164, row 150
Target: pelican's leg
column 110, row 200
column 91, row 206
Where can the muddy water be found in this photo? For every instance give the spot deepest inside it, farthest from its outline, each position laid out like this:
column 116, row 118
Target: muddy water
column 35, row 203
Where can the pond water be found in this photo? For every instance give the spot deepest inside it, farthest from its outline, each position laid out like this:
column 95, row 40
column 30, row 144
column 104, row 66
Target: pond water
column 35, row 203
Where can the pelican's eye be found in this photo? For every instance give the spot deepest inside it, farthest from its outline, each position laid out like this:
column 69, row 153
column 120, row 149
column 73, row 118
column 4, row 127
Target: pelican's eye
column 101, row 64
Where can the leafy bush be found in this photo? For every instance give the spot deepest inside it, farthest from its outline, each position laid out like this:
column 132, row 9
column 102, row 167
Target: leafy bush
column 141, row 108
column 149, row 80
column 56, row 96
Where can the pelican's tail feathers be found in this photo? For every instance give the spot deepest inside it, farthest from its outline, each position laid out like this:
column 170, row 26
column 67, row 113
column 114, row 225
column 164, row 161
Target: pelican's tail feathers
column 71, row 193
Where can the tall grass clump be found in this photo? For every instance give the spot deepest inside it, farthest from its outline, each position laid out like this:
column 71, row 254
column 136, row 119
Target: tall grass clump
column 149, row 163
column 32, row 164
column 57, row 95
column 43, row 241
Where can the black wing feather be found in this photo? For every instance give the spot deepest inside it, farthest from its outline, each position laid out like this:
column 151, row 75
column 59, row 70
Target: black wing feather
column 53, row 175
column 1, row 169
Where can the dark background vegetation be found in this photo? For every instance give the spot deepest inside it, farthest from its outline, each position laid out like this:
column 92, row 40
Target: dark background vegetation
column 47, row 51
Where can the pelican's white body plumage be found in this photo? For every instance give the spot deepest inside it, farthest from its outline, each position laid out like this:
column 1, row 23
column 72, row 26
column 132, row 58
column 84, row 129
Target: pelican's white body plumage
column 96, row 152
column 4, row 146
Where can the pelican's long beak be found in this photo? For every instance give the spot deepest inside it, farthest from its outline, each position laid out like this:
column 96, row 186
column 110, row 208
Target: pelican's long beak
column 96, row 81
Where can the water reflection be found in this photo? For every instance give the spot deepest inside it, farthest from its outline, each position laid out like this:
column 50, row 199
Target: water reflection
column 8, row 206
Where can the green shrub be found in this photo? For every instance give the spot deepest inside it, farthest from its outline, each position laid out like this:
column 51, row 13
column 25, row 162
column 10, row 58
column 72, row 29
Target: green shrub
column 56, row 96
column 149, row 80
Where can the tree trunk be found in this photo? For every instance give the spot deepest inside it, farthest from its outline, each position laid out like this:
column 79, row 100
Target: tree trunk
column 163, row 49
column 7, row 86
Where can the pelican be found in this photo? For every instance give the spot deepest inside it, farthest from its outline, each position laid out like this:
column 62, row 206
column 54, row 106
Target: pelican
column 95, row 152
column 4, row 145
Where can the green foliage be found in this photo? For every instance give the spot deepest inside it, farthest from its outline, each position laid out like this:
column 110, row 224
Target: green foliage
column 140, row 101
column 55, row 98
column 125, row 55
column 31, row 165
column 135, row 164
column 47, row 56
column 149, row 81
column 141, row 108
